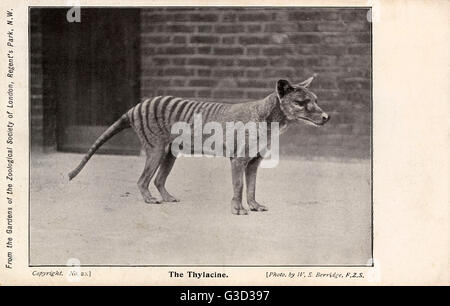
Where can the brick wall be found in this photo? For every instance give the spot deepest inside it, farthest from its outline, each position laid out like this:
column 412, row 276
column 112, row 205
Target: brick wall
column 236, row 55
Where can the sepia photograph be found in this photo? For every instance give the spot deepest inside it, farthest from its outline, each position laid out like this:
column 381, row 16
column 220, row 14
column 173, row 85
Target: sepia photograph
column 200, row 136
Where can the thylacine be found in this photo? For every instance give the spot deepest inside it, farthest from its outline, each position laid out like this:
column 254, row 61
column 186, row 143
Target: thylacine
column 152, row 121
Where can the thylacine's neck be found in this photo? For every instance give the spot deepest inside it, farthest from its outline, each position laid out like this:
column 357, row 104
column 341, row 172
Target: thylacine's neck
column 270, row 110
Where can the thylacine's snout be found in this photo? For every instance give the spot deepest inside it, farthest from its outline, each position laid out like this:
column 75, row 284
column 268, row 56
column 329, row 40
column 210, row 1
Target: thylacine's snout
column 325, row 118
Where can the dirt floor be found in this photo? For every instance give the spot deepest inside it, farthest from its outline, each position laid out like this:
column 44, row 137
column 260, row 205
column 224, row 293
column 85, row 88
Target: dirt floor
column 319, row 214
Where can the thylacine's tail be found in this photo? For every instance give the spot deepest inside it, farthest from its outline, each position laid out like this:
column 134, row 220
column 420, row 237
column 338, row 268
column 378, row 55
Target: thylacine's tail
column 118, row 126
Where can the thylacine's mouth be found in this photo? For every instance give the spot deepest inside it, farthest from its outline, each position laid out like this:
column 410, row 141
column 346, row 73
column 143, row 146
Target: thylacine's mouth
column 312, row 121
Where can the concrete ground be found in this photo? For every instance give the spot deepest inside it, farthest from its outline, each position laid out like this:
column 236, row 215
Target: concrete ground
column 319, row 214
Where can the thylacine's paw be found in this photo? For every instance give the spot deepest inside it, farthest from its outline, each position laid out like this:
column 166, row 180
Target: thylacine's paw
column 254, row 206
column 152, row 200
column 239, row 211
column 170, row 198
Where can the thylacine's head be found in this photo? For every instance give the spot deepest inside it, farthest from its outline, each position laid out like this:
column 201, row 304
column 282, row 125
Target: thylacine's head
column 299, row 103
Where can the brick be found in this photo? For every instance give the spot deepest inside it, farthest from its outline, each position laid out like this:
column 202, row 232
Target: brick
column 176, row 50
column 178, row 61
column 254, row 95
column 203, row 61
column 179, row 28
column 354, row 83
column 329, row 15
column 328, row 60
column 152, row 71
column 204, row 94
column 178, row 82
column 279, row 27
column 204, row 39
column 229, row 40
column 260, row 62
column 253, row 73
column 229, row 17
column 252, row 84
column 184, row 93
column 363, row 38
column 228, row 94
column 253, row 40
column 152, row 27
column 204, row 72
column 253, row 17
column 226, row 62
column 280, row 61
column 362, row 26
column 359, row 49
column 179, row 39
column 307, row 61
column 305, row 38
column 204, row 29
column 177, row 71
column 328, row 95
column 354, row 15
column 355, row 72
column 228, row 73
column 346, row 38
column 234, row 28
column 313, row 61
column 354, row 61
column 228, row 51
column 333, row 49
column 252, row 51
column 292, row 27
column 325, row 83
column 254, row 28
column 202, row 83
column 204, row 50
column 155, row 82
column 178, row 17
column 306, row 49
column 204, row 17
column 276, row 51
column 280, row 73
column 304, row 16
column 338, row 26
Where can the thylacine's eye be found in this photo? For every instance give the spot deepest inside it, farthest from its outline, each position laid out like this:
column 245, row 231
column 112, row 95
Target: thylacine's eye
column 303, row 103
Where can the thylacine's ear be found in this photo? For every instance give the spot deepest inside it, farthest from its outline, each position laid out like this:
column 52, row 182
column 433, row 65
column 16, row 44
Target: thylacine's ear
column 283, row 88
column 306, row 82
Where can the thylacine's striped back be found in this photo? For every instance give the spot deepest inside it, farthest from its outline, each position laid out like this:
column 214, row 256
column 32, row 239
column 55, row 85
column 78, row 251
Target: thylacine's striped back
column 152, row 119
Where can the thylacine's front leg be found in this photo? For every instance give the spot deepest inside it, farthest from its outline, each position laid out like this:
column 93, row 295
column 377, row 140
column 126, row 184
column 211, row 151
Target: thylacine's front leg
column 237, row 177
column 250, row 177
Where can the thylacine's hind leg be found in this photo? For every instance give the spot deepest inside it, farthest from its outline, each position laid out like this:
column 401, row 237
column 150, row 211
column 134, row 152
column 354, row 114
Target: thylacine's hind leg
column 154, row 157
column 164, row 169
column 250, row 178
